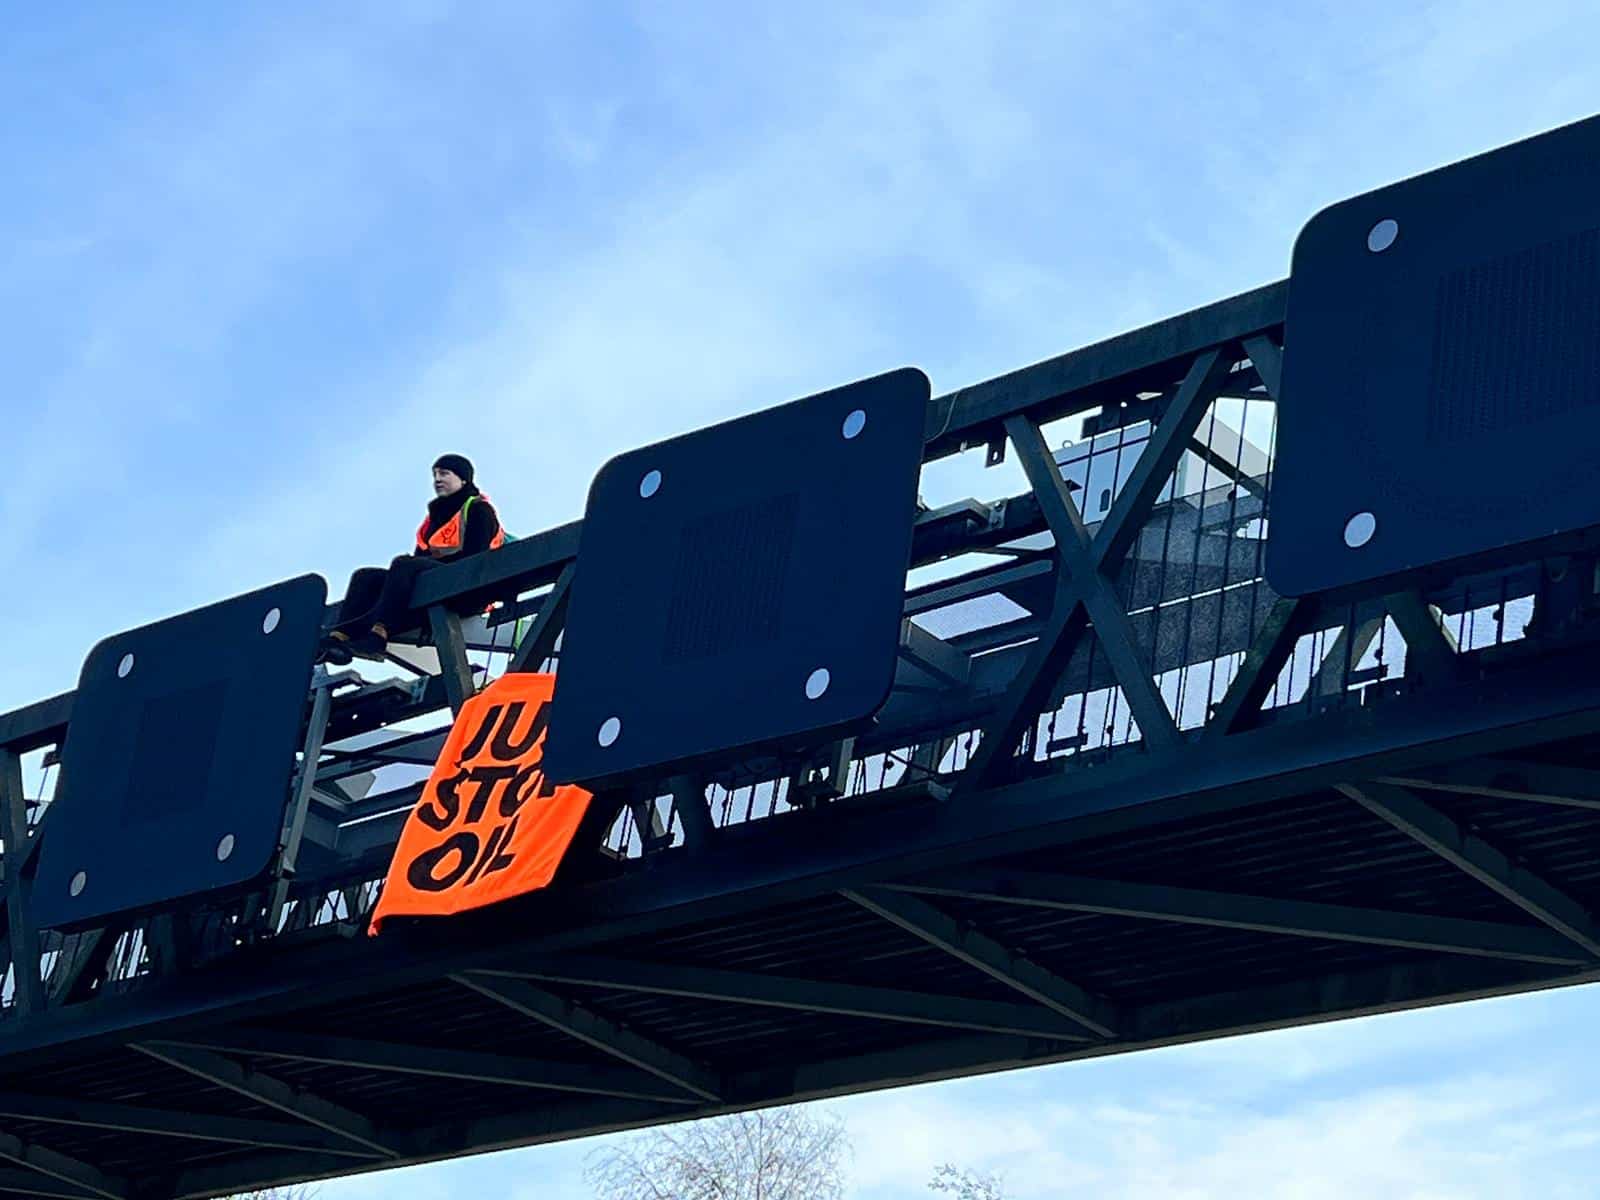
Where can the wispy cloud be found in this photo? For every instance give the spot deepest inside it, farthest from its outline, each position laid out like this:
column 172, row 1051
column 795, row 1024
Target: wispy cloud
column 1300, row 1115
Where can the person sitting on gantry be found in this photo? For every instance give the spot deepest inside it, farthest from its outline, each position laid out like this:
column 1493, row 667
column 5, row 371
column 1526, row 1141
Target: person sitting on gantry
column 460, row 521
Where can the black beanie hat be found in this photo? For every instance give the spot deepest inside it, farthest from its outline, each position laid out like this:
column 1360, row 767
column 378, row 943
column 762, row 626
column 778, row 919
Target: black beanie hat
column 458, row 463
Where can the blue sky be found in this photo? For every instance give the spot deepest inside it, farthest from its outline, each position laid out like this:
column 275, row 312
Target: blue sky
column 260, row 266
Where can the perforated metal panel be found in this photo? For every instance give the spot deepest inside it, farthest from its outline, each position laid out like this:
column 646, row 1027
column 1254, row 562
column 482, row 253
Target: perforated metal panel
column 741, row 586
column 1441, row 386
column 176, row 769
column 1516, row 339
column 715, row 611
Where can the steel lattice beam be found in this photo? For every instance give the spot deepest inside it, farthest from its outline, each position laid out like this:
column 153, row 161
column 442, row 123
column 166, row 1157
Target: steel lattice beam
column 734, row 881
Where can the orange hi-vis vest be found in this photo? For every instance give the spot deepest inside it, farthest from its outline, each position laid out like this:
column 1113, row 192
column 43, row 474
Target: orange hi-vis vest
column 452, row 535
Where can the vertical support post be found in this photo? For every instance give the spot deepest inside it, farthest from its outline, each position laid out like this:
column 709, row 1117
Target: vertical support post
column 647, row 819
column 689, row 798
column 812, row 783
column 1348, row 649
column 454, row 665
column 23, row 938
column 168, row 946
column 300, row 799
column 1431, row 650
column 928, row 755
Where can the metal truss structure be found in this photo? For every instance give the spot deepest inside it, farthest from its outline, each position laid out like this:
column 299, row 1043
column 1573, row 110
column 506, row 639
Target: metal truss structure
column 1123, row 797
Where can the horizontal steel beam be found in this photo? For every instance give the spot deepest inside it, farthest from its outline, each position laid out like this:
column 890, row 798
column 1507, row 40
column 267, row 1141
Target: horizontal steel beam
column 18, row 1181
column 48, row 1164
column 37, row 725
column 1260, row 914
column 933, row 655
column 525, row 563
column 803, row 995
column 161, row 1122
column 1509, row 779
column 1148, row 359
column 442, row 1062
column 1356, row 993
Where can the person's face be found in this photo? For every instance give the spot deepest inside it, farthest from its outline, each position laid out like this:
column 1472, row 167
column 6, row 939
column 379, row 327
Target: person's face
column 446, row 483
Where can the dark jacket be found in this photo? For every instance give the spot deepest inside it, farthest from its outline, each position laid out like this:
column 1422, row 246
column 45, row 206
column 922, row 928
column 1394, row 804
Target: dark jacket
column 482, row 521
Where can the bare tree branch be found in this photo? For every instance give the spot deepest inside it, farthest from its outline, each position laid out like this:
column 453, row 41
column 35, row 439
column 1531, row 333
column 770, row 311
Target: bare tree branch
column 774, row 1154
column 966, row 1184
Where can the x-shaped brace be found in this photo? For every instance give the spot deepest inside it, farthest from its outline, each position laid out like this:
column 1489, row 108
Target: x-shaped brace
column 1085, row 593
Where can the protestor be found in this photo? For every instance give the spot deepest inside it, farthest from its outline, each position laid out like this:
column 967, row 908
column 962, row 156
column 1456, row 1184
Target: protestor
column 460, row 521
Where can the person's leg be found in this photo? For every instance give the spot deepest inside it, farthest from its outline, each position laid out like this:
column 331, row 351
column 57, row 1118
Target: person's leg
column 394, row 601
column 366, row 585
column 354, row 616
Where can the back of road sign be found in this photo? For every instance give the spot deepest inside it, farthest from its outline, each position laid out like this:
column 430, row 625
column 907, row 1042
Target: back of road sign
column 741, row 586
column 1441, row 380
column 175, row 774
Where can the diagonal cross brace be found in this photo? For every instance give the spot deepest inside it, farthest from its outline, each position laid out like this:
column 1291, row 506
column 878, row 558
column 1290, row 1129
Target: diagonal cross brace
column 1488, row 865
column 1258, row 674
column 540, row 640
column 476, row 1066
column 161, row 1122
column 590, row 1027
column 272, row 1092
column 69, row 1173
column 1267, row 358
column 22, row 1182
column 1084, row 582
column 976, row 949
column 1084, row 589
column 802, row 995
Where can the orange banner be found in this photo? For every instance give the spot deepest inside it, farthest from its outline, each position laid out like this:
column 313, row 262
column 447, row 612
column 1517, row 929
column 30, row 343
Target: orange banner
column 488, row 825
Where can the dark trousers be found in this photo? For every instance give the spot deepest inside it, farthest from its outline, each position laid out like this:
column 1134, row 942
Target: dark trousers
column 381, row 595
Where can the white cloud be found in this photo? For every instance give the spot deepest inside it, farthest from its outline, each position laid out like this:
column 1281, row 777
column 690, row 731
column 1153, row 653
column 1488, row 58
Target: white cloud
column 1462, row 1135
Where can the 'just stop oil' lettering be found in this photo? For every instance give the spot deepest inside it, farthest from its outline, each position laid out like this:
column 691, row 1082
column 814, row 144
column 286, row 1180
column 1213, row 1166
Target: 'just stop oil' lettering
column 489, row 824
